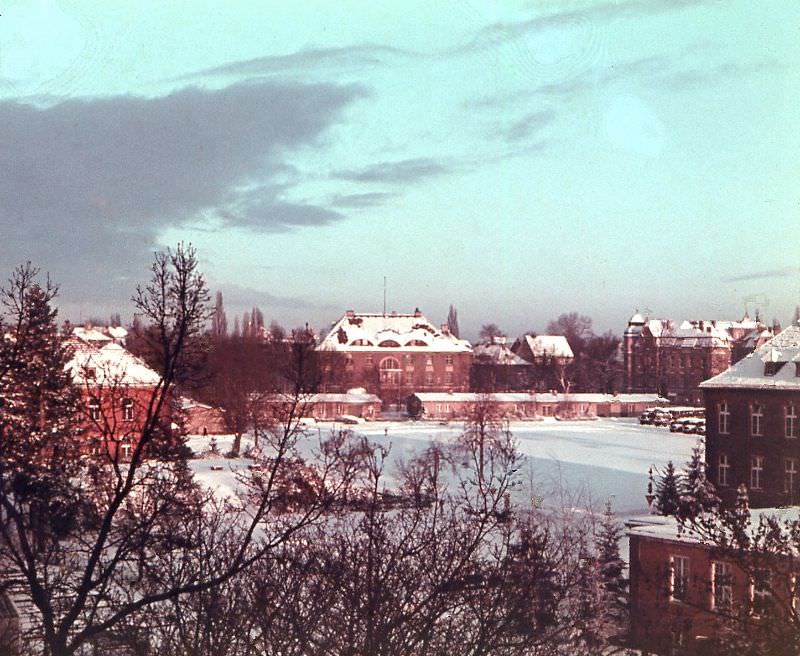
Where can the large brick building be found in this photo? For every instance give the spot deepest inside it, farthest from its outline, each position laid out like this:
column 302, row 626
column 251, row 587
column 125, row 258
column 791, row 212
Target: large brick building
column 117, row 389
column 393, row 355
column 753, row 423
column 672, row 358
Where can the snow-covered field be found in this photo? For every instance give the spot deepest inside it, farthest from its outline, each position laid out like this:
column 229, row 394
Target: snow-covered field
column 578, row 463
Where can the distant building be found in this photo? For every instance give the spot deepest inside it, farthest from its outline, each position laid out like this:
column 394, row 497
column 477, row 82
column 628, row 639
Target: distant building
column 202, row 419
column 673, row 358
column 394, row 355
column 526, row 405
column 753, row 423
column 544, row 349
column 497, row 368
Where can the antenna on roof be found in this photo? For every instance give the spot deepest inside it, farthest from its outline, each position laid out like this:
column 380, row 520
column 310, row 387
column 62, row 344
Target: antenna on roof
column 384, row 296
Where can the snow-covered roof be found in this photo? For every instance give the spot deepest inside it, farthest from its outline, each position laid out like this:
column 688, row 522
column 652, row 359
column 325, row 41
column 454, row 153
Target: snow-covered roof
column 499, row 354
column 538, row 397
column 554, row 346
column 774, row 365
column 668, row 529
column 369, row 331
column 108, row 365
column 354, row 395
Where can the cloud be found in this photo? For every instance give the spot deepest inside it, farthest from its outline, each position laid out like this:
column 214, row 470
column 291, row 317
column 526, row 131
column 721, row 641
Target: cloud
column 368, row 199
column 89, row 184
column 783, row 272
column 238, row 296
column 401, row 171
column 529, row 124
column 357, row 56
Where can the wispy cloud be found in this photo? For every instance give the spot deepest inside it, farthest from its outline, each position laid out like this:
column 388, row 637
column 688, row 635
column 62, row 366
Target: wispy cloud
column 356, row 56
column 397, row 172
column 367, row 199
column 242, row 296
column 782, row 272
column 529, row 124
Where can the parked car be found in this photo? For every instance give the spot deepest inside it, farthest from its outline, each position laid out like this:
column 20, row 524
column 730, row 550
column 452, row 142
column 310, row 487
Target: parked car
column 647, row 416
column 676, row 426
column 690, row 425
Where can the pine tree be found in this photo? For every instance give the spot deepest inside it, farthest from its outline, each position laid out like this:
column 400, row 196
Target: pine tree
column 668, row 491
column 611, row 569
column 697, row 494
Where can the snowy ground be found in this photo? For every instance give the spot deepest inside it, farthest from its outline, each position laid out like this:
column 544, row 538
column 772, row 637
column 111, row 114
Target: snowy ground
column 580, row 463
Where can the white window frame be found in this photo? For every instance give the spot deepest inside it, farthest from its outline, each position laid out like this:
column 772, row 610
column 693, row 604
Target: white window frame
column 756, row 471
column 95, row 412
column 678, row 578
column 790, row 424
column 763, row 594
column 790, row 471
column 127, row 409
column 757, row 420
column 723, row 470
column 724, row 418
column 721, row 592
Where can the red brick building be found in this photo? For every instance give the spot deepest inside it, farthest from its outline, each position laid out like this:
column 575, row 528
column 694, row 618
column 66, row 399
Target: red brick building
column 394, row 355
column 673, row 358
column 753, row 424
column 685, row 592
column 117, row 388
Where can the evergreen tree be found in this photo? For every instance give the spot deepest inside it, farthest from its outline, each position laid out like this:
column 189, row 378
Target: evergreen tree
column 698, row 494
column 452, row 320
column 796, row 315
column 668, row 491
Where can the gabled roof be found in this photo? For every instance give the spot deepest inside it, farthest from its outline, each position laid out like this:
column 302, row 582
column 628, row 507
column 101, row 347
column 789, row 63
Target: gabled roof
column 109, row 365
column 553, row 346
column 498, row 354
column 774, row 365
column 370, row 331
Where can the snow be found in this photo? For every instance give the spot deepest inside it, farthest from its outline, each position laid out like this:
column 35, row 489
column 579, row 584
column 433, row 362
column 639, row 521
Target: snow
column 555, row 346
column 578, row 463
column 750, row 372
column 110, row 365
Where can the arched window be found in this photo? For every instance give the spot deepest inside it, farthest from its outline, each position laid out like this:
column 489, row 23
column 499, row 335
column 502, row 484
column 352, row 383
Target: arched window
column 390, row 371
column 417, row 342
column 389, row 343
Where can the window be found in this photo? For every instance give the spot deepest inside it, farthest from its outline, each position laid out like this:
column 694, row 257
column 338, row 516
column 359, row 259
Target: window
column 448, row 360
column 756, row 469
column 721, row 587
column 429, row 378
column 368, row 360
column 409, row 378
column 390, row 371
column 678, row 578
column 429, row 362
column 125, row 448
column 790, row 475
column 94, row 409
column 790, row 424
column 127, row 409
column 724, row 418
column 448, row 377
column 723, row 470
column 757, row 420
column 760, row 593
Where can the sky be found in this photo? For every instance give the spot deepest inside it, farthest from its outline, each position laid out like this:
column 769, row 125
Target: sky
column 515, row 159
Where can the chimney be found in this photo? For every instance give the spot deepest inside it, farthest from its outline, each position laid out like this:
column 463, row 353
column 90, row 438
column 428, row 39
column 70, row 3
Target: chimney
column 350, row 314
column 417, row 313
column 445, row 329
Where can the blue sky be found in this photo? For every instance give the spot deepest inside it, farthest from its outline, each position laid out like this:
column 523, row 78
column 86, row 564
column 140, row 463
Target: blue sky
column 516, row 159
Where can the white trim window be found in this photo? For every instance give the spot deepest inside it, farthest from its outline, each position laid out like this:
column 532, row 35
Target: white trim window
column 678, row 577
column 756, row 471
column 757, row 420
column 721, row 587
column 723, row 470
column 94, row 409
column 724, row 418
column 790, row 475
column 760, row 593
column 127, row 409
column 790, row 423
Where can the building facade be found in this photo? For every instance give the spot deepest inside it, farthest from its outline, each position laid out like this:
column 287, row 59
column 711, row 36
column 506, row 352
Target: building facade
column 394, row 355
column 672, row 358
column 753, row 424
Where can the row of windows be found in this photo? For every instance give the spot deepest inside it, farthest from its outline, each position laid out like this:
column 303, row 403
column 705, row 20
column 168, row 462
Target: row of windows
column 791, row 468
column 95, row 411
column 791, row 426
column 721, row 577
column 392, row 363
column 394, row 377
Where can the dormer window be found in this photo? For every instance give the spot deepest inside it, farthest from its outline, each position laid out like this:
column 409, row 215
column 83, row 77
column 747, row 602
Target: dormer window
column 772, row 368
